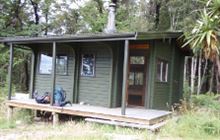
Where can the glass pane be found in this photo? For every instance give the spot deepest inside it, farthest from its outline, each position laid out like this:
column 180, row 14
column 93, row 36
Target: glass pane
column 88, row 65
column 131, row 78
column 137, row 60
column 164, row 72
column 159, row 64
column 61, row 67
column 139, row 78
column 45, row 64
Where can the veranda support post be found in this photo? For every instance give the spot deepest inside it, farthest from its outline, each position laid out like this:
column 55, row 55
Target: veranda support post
column 10, row 71
column 32, row 75
column 125, row 75
column 53, row 73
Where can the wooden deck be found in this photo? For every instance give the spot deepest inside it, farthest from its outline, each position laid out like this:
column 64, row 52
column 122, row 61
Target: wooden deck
column 133, row 115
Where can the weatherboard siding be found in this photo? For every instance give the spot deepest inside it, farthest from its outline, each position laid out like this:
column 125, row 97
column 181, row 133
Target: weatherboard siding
column 43, row 81
column 162, row 89
column 96, row 90
column 118, row 53
column 177, row 76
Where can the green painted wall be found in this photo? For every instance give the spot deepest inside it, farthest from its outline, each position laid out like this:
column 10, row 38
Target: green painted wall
column 118, row 55
column 166, row 93
column 96, row 90
column 177, row 76
column 161, row 92
column 43, row 81
column 105, row 88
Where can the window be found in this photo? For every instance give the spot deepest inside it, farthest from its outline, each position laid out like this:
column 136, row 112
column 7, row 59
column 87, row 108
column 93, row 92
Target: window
column 137, row 60
column 61, row 65
column 162, row 70
column 136, row 78
column 88, row 65
column 45, row 66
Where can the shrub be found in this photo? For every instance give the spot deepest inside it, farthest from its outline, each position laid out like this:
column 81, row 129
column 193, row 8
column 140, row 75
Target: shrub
column 206, row 100
column 199, row 118
column 194, row 125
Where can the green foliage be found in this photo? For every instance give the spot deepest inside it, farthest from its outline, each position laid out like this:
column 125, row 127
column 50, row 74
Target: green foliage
column 20, row 116
column 4, row 124
column 164, row 22
column 25, row 116
column 82, row 137
column 3, row 65
column 204, row 35
column 130, row 19
column 194, row 125
column 92, row 19
column 186, row 92
column 200, row 121
column 209, row 101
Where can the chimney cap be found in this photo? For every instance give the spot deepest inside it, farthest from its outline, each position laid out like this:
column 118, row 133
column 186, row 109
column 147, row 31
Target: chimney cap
column 112, row 5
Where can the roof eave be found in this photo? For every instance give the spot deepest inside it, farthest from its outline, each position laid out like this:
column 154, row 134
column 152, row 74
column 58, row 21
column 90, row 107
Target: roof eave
column 158, row 35
column 75, row 38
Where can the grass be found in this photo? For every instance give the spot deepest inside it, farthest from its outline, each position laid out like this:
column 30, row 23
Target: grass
column 209, row 101
column 75, row 130
column 194, row 125
column 23, row 128
column 200, row 121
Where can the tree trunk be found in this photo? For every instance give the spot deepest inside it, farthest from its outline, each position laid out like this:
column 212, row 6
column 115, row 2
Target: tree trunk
column 217, row 83
column 24, row 76
column 193, row 72
column 35, row 7
column 185, row 69
column 217, row 63
column 199, row 73
column 46, row 20
column 157, row 16
column 211, row 79
column 203, row 75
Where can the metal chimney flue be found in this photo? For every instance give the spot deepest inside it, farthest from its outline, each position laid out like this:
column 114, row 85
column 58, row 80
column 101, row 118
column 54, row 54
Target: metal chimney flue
column 110, row 28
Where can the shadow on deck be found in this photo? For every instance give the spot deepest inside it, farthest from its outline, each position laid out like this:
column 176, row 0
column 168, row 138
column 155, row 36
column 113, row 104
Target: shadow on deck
column 138, row 116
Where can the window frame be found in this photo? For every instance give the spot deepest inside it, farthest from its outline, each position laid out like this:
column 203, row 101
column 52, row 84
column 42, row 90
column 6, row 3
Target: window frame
column 57, row 56
column 163, row 77
column 134, row 78
column 136, row 63
column 94, row 65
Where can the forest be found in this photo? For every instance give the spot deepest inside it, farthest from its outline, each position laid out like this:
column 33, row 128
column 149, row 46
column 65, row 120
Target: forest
column 50, row 17
column 199, row 20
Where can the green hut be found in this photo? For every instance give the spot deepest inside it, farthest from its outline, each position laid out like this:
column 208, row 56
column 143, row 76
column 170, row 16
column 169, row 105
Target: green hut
column 108, row 70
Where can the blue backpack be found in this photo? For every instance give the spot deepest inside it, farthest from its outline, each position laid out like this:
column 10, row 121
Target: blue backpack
column 59, row 96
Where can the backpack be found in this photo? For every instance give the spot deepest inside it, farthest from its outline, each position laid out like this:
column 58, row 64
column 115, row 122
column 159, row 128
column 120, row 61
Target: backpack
column 43, row 99
column 60, row 97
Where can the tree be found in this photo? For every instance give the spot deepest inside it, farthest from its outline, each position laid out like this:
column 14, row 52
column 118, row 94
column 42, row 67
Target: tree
column 203, row 38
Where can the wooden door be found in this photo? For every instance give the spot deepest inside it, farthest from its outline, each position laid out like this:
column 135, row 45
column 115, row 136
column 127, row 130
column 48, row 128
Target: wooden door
column 137, row 77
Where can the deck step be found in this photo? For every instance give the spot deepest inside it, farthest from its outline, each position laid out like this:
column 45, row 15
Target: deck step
column 153, row 127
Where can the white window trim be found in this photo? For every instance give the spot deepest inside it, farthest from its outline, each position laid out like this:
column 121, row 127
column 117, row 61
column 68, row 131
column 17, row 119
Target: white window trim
column 163, row 64
column 166, row 74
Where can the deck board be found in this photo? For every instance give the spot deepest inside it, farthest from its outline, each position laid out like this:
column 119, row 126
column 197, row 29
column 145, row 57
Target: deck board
column 133, row 115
